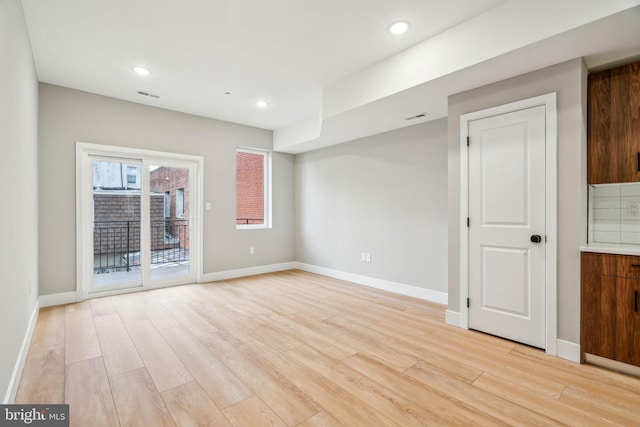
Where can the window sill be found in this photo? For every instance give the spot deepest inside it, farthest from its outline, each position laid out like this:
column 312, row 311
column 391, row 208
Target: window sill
column 252, row 226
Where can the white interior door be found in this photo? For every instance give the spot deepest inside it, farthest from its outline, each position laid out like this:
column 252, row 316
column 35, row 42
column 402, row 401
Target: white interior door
column 506, row 219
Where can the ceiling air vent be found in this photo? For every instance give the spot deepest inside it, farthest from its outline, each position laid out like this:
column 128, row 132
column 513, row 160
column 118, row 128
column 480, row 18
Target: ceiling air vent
column 417, row 116
column 151, row 95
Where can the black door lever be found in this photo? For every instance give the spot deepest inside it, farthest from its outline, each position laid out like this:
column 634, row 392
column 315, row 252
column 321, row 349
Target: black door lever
column 536, row 238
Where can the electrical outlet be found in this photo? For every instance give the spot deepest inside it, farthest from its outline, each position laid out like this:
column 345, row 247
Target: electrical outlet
column 363, row 256
column 207, row 206
column 632, row 209
column 252, row 251
column 368, row 257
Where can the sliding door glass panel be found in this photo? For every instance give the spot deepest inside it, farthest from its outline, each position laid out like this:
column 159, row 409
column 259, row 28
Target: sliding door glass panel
column 116, row 224
column 169, row 221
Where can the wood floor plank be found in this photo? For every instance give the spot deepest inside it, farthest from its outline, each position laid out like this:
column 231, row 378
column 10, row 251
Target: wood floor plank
column 590, row 373
column 532, row 376
column 189, row 405
column 280, row 394
column 118, row 352
column 127, row 308
column 559, row 411
column 207, row 305
column 297, row 349
column 252, row 412
column 373, row 343
column 49, row 330
column 616, row 413
column 340, row 403
column 81, row 341
column 88, row 393
column 321, row 419
column 390, row 404
column 495, row 406
column 451, row 412
column 154, row 311
column 222, row 385
column 310, row 337
column 188, row 317
column 138, row 401
column 43, row 377
column 102, row 306
column 164, row 366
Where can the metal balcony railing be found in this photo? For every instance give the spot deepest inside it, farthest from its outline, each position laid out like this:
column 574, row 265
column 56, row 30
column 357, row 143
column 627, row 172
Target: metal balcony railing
column 247, row 221
column 116, row 244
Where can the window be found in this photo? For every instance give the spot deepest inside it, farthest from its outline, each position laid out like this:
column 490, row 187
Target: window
column 180, row 203
column 167, row 204
column 131, row 175
column 252, row 188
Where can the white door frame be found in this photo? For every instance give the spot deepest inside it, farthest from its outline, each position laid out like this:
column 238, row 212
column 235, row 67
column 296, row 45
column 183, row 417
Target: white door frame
column 549, row 102
column 84, row 239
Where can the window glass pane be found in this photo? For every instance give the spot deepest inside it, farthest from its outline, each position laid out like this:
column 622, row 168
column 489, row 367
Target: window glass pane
column 250, row 188
column 167, row 204
column 180, row 203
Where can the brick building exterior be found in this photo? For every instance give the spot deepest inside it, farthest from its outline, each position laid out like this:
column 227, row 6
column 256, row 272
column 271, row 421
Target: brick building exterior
column 173, row 185
column 116, row 229
column 249, row 188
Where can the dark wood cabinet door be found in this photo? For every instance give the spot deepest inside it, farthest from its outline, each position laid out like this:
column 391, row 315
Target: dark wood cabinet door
column 614, row 125
column 599, row 317
column 625, row 119
column 602, row 165
column 628, row 322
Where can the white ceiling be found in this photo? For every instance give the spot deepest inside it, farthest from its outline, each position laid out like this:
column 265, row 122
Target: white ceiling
column 328, row 68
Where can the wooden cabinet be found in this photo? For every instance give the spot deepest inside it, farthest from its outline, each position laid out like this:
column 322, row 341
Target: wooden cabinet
column 610, row 306
column 614, row 125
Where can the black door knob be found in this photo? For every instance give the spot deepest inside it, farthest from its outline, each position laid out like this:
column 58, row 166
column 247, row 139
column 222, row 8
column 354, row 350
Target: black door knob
column 536, row 238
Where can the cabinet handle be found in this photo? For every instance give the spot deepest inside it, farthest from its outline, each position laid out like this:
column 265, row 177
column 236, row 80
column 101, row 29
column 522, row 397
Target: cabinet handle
column 635, row 265
column 638, row 162
column 635, row 301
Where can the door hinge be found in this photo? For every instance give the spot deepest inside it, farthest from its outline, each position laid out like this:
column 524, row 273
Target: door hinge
column 467, row 302
column 468, row 141
column 468, row 222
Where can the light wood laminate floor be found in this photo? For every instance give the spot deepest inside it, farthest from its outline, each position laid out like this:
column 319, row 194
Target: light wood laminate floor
column 297, row 349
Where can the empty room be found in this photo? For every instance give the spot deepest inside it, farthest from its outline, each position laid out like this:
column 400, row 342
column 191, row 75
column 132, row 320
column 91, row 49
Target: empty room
column 298, row 213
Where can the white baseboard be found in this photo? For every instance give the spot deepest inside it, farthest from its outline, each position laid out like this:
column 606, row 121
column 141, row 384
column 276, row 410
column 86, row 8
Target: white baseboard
column 568, row 350
column 12, row 389
column 58, row 299
column 452, row 318
column 372, row 282
column 250, row 271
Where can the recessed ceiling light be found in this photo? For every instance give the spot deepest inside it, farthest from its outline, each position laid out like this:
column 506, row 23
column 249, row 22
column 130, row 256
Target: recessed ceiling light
column 262, row 103
column 141, row 70
column 399, row 27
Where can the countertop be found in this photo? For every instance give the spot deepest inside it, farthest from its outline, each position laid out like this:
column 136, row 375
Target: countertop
column 611, row 248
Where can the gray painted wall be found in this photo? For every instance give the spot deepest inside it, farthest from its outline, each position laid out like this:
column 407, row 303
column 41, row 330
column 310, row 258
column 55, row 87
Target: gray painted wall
column 18, row 174
column 569, row 81
column 67, row 116
column 384, row 194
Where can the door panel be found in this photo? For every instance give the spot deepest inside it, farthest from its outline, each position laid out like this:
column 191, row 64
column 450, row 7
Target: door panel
column 169, row 222
column 510, row 265
column 116, row 224
column 506, row 208
column 504, row 169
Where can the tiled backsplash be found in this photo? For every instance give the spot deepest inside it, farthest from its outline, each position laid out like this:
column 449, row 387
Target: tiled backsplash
column 614, row 213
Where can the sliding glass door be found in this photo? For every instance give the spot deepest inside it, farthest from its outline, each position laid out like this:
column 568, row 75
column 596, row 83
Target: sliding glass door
column 117, row 209
column 169, row 221
column 138, row 223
